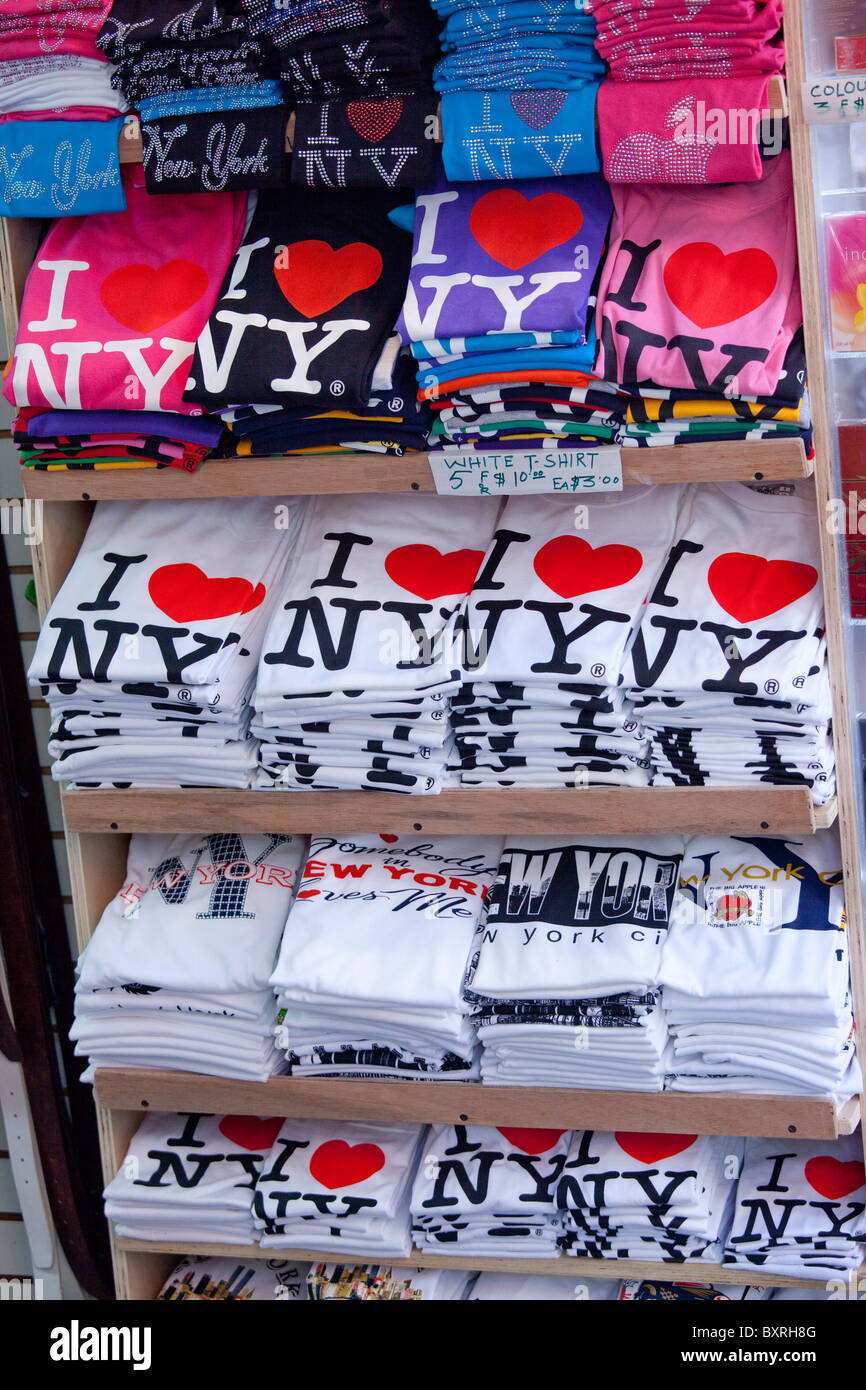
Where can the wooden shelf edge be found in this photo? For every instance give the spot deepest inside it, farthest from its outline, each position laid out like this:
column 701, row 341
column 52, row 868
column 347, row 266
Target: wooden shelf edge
column 824, row 816
column 666, row 1112
column 468, row 810
column 689, row 1272
column 310, row 474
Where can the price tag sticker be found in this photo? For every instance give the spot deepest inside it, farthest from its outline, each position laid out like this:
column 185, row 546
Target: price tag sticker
column 496, row 473
column 840, row 98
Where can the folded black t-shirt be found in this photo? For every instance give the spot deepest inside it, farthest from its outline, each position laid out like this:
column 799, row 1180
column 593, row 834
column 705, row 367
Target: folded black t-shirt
column 308, row 302
column 386, row 143
column 215, row 151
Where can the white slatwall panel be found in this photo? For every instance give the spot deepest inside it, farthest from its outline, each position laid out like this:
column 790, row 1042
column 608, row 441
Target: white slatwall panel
column 14, row 1250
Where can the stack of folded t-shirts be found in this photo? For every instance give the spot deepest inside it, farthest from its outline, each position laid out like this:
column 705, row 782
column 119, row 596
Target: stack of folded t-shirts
column 148, row 655
column 363, row 649
column 755, row 969
column 551, row 616
column 664, row 1197
column 51, row 28
column 299, row 354
column 381, row 1282
column 519, row 83
column 372, row 50
column 212, row 1279
column 338, row 1187
column 498, row 309
column 489, row 1192
column 210, row 120
column 49, row 440
column 392, row 421
column 648, row 415
column 711, row 60
column 564, row 978
column 703, row 336
column 59, row 114
column 51, row 63
column 191, row 1178
column 169, row 47
column 365, row 108
column 112, row 309
column 176, row 974
column 728, row 669
column 800, row 1208
column 359, row 994
column 655, row 40
column 543, row 1288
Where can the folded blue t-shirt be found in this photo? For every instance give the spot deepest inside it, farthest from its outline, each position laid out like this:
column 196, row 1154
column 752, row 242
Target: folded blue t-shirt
column 489, row 342
column 574, row 359
column 519, row 135
column 187, row 103
column 60, row 168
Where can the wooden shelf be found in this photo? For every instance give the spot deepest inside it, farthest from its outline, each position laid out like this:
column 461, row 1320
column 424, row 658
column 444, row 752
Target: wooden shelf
column 467, row 810
column 690, row 1272
column 310, row 474
column 467, row 1102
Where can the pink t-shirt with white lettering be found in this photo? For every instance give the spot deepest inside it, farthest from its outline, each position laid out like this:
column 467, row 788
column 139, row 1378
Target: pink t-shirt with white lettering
column 114, row 302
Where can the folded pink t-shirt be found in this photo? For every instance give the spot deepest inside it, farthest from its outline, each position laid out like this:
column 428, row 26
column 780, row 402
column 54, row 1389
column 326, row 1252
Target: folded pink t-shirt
column 63, row 113
column 34, row 28
column 689, row 39
column 684, row 11
column 81, row 44
column 114, row 302
column 700, row 287
column 682, row 132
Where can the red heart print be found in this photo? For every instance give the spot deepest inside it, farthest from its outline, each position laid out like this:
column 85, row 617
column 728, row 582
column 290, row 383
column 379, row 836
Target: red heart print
column 569, row 565
column 711, row 288
column 515, row 230
column 309, row 893
column 186, row 594
column 531, row 1141
column 314, row 276
column 424, row 571
column 338, row 1164
column 537, row 109
column 832, row 1178
column 750, row 587
column 731, row 906
column 389, row 839
column 652, row 1148
column 373, row 120
column 253, row 1132
column 144, row 297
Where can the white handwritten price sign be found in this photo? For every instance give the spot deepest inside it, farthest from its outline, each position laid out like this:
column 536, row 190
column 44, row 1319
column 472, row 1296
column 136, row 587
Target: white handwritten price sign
column 492, row 473
column 841, row 98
